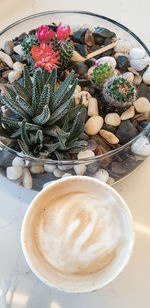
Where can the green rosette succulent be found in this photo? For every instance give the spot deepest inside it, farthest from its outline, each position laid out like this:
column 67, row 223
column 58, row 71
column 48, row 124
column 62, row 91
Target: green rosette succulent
column 45, row 122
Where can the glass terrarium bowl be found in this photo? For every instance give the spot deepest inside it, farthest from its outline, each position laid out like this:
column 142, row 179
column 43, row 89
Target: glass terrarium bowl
column 111, row 166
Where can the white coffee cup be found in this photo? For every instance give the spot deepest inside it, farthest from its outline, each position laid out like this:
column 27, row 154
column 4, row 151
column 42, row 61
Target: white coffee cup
column 77, row 234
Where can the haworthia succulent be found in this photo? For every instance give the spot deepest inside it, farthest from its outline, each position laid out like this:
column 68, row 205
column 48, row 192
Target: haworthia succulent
column 39, row 137
column 52, row 147
column 52, row 82
column 21, row 91
column 45, row 97
column 61, row 90
column 27, row 80
column 11, row 93
column 24, row 134
column 60, row 112
column 24, row 148
column 43, row 117
column 68, row 94
column 14, row 123
column 13, row 105
column 25, row 105
column 47, row 123
column 78, row 125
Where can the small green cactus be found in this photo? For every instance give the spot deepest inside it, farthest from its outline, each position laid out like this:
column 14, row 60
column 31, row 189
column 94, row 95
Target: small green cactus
column 100, row 74
column 27, row 44
column 65, row 52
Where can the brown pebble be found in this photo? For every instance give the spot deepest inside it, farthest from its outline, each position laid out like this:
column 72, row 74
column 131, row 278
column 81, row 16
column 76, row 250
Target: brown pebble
column 5, row 73
column 89, row 38
column 132, row 70
column 137, row 80
column 128, row 114
column 108, row 136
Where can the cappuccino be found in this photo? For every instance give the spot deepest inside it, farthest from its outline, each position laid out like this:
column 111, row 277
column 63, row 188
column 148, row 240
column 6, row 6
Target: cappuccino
column 77, row 234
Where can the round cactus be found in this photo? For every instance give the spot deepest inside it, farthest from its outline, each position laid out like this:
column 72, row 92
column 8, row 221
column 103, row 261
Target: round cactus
column 119, row 92
column 100, row 74
column 65, row 52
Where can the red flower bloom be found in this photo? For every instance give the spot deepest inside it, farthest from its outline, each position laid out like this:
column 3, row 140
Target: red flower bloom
column 45, row 56
column 44, row 34
column 63, row 33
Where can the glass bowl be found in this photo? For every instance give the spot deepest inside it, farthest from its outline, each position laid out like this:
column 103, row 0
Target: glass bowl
column 109, row 167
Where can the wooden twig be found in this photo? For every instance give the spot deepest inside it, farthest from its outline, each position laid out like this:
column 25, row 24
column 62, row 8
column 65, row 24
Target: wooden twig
column 99, row 51
column 78, row 58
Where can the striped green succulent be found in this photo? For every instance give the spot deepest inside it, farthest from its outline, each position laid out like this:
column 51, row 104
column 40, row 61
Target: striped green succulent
column 45, row 121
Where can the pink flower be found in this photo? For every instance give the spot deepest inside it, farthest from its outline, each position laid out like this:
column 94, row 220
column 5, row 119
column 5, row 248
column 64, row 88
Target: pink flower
column 63, row 33
column 97, row 63
column 45, row 56
column 44, row 34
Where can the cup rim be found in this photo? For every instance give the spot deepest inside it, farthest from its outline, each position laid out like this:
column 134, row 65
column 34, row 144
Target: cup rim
column 130, row 245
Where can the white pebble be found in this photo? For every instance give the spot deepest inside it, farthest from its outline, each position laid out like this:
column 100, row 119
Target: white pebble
column 139, row 64
column 128, row 114
column 64, row 167
column 37, row 169
column 58, row 173
column 137, row 53
column 108, row 136
column 146, row 76
column 18, row 67
column 49, row 168
column 18, row 162
column 19, row 50
column 93, row 107
column 6, row 59
column 14, row 173
column 85, row 154
column 107, row 60
column 141, row 146
column 128, row 76
column 142, row 105
column 80, row 169
column 27, row 179
column 12, row 76
column 93, row 125
column 112, row 119
column 123, row 46
column 65, row 175
column 102, row 175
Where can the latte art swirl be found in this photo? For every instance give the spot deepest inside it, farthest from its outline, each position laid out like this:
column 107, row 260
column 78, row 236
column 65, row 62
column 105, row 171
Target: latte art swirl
column 78, row 233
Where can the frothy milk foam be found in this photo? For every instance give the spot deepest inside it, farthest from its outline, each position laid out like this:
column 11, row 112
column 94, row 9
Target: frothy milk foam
column 78, row 233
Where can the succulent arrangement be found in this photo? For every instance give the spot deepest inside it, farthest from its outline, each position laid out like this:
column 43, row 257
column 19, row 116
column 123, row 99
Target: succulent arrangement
column 100, row 74
column 45, row 121
column 70, row 96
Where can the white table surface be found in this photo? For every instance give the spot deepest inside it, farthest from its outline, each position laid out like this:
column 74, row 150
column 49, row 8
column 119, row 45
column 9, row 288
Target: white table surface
column 132, row 288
